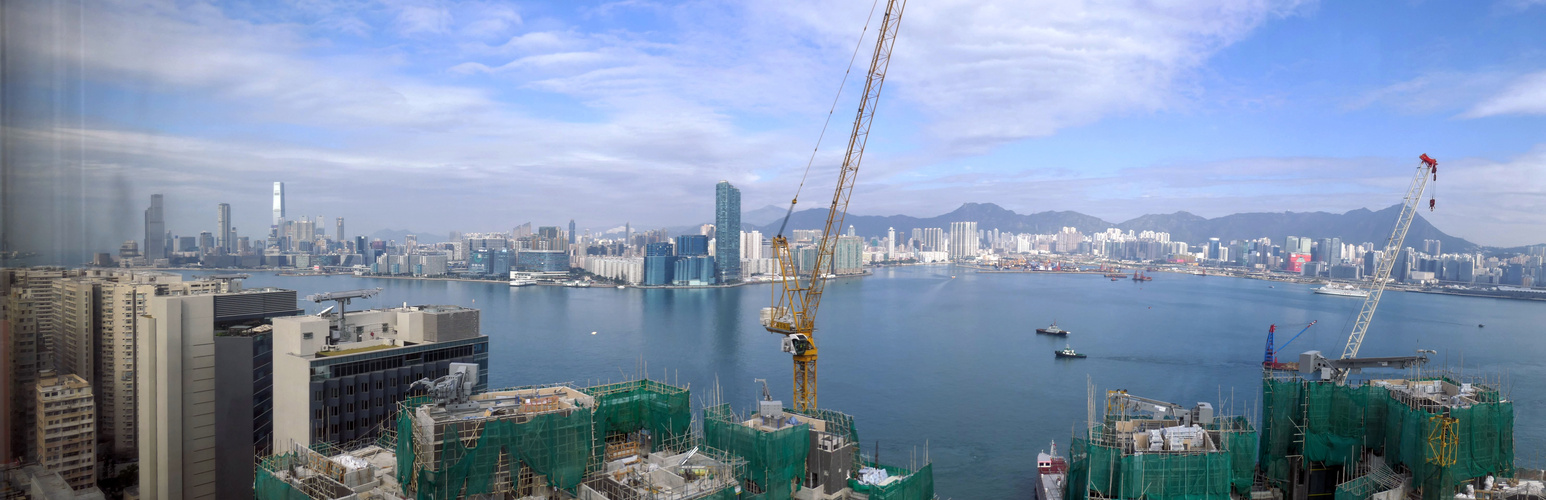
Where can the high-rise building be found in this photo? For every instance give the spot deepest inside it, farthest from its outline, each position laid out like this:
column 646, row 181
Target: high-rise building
column 155, row 231
column 751, row 245
column 727, row 232
column 571, row 231
column 1432, row 247
column 964, row 241
column 181, row 395
column 659, row 260
column 890, row 243
column 279, row 202
column 335, row 383
column 932, row 239
column 848, row 255
column 224, row 239
column 27, row 330
column 339, row 235
column 66, row 428
column 691, row 245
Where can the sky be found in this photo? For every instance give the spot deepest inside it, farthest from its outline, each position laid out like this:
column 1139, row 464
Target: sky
column 435, row 116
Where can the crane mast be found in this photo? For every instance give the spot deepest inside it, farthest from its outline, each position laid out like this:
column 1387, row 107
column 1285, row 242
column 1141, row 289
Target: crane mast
column 793, row 313
column 1427, row 166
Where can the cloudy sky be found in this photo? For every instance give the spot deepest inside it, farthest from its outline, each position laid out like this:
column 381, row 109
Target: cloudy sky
column 445, row 115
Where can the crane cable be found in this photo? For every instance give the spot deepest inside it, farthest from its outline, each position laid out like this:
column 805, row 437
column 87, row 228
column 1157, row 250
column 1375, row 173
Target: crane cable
column 828, row 121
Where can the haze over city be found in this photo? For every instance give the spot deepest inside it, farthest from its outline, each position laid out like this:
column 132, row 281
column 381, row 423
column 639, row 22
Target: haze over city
column 434, row 116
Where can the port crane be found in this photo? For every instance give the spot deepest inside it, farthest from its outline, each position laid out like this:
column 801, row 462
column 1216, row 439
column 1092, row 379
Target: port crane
column 1338, row 370
column 795, row 301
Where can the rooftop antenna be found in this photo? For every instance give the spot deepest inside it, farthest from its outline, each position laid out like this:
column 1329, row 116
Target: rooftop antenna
column 342, row 298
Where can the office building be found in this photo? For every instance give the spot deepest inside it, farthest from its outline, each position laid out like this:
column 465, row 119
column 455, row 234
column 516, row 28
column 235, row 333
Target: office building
column 693, row 270
column 66, row 428
column 339, row 234
column 964, row 242
column 279, row 203
column 659, row 264
column 181, row 448
column 542, row 261
column 692, row 245
column 155, row 231
column 336, row 379
column 727, row 232
column 571, row 231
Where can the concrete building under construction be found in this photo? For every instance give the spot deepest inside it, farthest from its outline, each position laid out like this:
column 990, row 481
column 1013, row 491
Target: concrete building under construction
column 1428, row 435
column 1143, row 448
column 627, row 440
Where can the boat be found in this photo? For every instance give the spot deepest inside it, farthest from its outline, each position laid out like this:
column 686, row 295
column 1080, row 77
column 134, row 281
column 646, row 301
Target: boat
column 522, row 282
column 1341, row 290
column 1053, row 330
column 1067, row 352
column 1051, row 474
column 1139, row 276
column 1115, row 275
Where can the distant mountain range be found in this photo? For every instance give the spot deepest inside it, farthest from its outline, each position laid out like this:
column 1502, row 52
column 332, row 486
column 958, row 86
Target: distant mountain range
column 1357, row 226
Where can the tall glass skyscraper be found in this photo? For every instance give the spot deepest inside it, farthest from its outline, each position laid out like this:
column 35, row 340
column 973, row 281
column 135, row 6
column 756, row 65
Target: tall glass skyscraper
column 727, row 232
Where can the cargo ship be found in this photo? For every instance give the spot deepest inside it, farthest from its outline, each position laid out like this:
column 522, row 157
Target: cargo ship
column 1051, row 474
column 1053, row 330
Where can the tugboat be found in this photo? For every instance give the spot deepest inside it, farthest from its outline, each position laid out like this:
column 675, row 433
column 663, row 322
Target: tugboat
column 1053, row 330
column 1068, row 352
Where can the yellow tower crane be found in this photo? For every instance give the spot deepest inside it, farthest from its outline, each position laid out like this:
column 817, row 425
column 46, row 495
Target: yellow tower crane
column 793, row 314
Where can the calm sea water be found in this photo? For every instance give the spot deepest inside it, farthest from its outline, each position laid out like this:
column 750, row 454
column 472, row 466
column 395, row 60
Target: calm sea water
column 946, row 358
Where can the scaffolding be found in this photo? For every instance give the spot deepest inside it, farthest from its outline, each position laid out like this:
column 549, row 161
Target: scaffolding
column 1166, row 455
column 1436, row 427
column 775, row 455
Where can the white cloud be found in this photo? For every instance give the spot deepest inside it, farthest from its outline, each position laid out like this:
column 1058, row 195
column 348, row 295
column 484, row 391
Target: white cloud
column 1526, row 95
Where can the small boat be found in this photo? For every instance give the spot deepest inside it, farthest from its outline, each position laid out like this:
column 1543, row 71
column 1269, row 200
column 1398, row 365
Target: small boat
column 1067, row 352
column 1053, row 330
column 1113, row 279
column 1479, row 325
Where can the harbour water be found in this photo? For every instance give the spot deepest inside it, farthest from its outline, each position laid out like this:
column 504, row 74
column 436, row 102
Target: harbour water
column 948, row 357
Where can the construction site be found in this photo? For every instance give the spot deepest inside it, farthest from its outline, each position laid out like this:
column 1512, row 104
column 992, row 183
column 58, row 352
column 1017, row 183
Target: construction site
column 1326, row 431
column 619, row 441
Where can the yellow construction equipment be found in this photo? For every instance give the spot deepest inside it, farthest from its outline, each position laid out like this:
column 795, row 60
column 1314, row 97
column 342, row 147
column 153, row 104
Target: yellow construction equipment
column 793, row 314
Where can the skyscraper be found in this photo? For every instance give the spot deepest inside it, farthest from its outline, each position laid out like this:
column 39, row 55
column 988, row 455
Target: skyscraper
column 571, row 231
column 279, row 202
column 340, row 236
column 155, row 231
column 890, row 243
column 727, row 232
column 224, row 238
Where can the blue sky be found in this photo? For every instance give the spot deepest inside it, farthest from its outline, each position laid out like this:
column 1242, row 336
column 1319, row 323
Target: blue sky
column 442, row 115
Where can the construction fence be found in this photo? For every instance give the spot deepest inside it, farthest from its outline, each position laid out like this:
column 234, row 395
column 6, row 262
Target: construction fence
column 1442, row 446
column 1100, row 468
column 914, row 485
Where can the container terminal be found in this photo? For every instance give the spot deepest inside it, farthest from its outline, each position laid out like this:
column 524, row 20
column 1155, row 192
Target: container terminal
column 619, row 441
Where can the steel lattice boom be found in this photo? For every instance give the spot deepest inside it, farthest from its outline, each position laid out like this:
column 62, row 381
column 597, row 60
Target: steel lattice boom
column 795, row 302
column 1426, row 167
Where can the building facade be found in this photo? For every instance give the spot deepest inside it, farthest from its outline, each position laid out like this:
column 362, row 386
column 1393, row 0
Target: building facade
column 336, row 380
column 66, row 428
column 964, row 242
column 727, row 232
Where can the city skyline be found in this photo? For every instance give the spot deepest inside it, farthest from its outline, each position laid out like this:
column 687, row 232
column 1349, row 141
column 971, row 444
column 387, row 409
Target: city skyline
column 1228, row 108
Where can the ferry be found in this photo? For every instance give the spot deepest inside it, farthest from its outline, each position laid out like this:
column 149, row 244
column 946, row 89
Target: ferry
column 522, row 282
column 1068, row 352
column 1051, row 474
column 1341, row 290
column 1053, row 330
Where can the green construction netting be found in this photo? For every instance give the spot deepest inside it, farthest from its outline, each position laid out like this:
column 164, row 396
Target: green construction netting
column 1239, row 439
column 267, row 487
column 627, row 407
column 556, row 445
column 914, row 485
column 774, row 460
column 1162, row 476
column 1340, row 422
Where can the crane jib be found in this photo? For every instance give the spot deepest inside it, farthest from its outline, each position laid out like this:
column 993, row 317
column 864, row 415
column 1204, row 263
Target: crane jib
column 793, row 312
